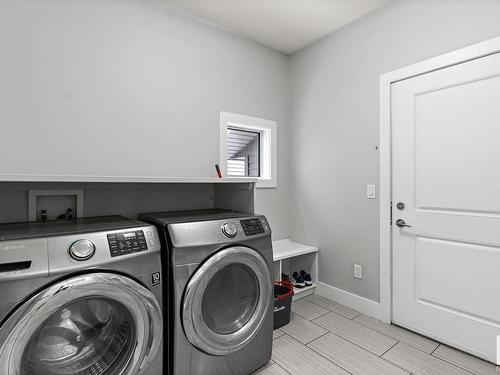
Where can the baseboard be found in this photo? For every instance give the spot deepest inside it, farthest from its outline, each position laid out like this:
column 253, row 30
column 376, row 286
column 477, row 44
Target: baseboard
column 351, row 300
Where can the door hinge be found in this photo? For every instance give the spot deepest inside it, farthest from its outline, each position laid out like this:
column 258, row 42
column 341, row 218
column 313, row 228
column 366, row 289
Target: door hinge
column 390, row 221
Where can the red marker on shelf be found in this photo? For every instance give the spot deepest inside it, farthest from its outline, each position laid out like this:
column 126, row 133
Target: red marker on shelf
column 218, row 170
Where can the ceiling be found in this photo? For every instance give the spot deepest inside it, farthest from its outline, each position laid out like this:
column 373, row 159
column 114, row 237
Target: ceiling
column 283, row 25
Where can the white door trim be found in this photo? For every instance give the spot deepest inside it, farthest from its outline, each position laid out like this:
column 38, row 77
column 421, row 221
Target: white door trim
column 475, row 51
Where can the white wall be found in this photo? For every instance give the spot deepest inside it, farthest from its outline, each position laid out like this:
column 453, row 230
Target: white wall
column 335, row 123
column 75, row 74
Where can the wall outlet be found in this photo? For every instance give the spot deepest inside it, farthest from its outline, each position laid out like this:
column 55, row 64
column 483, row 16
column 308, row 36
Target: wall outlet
column 358, row 271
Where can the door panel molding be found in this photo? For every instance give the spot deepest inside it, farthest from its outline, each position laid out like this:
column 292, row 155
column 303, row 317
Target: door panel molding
column 438, row 283
column 452, row 211
column 458, row 312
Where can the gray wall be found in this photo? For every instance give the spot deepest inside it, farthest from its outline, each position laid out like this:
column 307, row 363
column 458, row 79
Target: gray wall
column 81, row 80
column 127, row 199
column 101, row 199
column 335, row 123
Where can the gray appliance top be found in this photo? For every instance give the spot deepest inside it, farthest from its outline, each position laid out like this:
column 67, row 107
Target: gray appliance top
column 17, row 231
column 208, row 227
column 170, row 217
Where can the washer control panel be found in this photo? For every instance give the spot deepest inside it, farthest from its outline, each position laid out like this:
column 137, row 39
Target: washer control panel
column 123, row 243
column 252, row 227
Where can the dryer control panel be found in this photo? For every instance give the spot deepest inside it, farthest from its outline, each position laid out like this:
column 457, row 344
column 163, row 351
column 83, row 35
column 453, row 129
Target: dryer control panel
column 126, row 242
column 206, row 232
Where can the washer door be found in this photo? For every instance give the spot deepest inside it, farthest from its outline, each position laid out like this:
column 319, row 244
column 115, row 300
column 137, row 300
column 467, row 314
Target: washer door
column 92, row 324
column 226, row 300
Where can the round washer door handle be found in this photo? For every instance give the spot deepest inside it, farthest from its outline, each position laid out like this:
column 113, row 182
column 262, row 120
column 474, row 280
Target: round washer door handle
column 82, row 250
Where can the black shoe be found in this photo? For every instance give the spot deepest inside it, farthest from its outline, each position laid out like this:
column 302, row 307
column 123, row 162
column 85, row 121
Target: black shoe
column 285, row 277
column 298, row 281
column 307, row 278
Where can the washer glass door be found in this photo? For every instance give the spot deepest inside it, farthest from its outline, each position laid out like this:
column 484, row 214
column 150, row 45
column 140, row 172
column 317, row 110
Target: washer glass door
column 87, row 325
column 227, row 300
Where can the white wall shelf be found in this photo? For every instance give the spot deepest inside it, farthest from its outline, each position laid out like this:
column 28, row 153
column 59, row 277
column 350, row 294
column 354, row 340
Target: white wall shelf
column 128, row 179
column 286, row 248
column 290, row 256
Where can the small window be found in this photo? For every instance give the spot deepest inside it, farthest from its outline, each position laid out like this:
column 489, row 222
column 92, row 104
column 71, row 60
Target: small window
column 243, row 153
column 248, row 148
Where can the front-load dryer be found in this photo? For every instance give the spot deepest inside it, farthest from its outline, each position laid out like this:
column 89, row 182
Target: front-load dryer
column 219, row 265
column 80, row 297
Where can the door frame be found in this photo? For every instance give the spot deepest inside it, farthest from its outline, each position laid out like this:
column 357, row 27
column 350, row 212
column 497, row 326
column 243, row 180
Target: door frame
column 476, row 51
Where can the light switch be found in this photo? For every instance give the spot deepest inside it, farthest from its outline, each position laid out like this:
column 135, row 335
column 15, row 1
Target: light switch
column 371, row 192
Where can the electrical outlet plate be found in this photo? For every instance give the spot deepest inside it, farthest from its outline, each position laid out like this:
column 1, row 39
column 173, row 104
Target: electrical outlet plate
column 358, row 271
column 55, row 202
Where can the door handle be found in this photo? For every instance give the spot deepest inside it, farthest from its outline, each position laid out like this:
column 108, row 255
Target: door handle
column 401, row 223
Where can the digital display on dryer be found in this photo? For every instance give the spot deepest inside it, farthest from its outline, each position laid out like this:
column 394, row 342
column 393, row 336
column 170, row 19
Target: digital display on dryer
column 126, row 243
column 252, row 227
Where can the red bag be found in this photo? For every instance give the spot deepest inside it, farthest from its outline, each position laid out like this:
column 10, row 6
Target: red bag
column 286, row 284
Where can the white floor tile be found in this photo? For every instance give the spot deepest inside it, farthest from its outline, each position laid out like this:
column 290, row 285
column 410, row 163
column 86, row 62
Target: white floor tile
column 398, row 333
column 465, row 361
column 271, row 369
column 358, row 334
column 333, row 306
column 420, row 363
column 298, row 359
column 308, row 310
column 302, row 329
column 277, row 333
column 353, row 358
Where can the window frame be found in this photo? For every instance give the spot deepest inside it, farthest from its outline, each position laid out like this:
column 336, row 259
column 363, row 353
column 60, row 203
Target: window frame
column 268, row 145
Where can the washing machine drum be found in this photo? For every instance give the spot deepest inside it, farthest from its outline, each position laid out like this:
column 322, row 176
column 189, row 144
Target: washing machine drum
column 227, row 300
column 88, row 325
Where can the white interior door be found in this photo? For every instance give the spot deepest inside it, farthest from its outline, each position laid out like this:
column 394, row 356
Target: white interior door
column 446, row 172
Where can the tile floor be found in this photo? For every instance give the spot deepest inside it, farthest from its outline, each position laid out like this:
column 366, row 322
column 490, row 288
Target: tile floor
column 324, row 337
